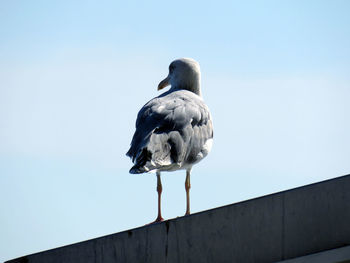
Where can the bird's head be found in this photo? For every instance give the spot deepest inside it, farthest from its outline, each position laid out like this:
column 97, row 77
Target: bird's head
column 184, row 73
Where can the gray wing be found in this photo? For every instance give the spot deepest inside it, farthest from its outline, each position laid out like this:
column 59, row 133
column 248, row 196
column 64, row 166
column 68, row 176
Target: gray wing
column 171, row 132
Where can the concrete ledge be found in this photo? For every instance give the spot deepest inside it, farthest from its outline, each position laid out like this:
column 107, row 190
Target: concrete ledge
column 281, row 226
column 338, row 255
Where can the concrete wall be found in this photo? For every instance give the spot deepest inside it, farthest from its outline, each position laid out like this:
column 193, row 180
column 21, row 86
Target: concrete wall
column 272, row 228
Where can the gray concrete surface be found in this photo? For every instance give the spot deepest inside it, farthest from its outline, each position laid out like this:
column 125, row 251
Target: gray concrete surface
column 272, row 228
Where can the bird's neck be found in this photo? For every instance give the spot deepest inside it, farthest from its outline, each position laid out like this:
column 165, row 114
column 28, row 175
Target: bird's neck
column 193, row 86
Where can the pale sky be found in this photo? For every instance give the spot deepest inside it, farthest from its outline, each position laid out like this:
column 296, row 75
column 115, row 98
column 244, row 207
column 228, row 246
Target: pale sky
column 275, row 75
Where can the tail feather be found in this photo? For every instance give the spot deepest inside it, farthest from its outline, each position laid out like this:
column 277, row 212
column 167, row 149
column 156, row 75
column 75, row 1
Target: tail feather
column 154, row 154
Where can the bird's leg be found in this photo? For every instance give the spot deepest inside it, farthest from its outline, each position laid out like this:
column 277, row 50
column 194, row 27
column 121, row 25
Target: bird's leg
column 159, row 190
column 187, row 187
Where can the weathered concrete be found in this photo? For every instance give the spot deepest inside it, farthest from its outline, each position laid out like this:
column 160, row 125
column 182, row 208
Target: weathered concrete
column 272, row 228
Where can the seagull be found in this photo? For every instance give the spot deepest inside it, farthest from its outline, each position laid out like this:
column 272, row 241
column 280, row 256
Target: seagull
column 174, row 131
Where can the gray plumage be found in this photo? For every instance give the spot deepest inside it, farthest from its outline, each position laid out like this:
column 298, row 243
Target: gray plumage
column 174, row 130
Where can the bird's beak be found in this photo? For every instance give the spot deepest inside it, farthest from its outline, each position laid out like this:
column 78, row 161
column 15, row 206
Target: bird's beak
column 164, row 83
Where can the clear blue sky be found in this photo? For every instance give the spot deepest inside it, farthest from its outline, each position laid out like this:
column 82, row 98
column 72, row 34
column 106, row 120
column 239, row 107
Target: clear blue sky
column 73, row 75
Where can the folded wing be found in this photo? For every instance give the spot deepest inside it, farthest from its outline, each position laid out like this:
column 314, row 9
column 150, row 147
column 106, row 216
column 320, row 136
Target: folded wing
column 172, row 131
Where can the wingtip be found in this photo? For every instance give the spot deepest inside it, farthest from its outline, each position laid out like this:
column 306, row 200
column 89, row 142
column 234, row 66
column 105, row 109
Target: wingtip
column 137, row 170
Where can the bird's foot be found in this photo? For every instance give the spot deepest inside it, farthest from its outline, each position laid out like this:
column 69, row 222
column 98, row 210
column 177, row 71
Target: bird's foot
column 158, row 219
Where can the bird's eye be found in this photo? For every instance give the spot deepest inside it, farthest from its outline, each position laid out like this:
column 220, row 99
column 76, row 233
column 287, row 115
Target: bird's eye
column 171, row 68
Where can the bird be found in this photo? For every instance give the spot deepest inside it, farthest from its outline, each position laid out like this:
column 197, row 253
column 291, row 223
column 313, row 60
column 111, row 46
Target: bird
column 174, row 130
